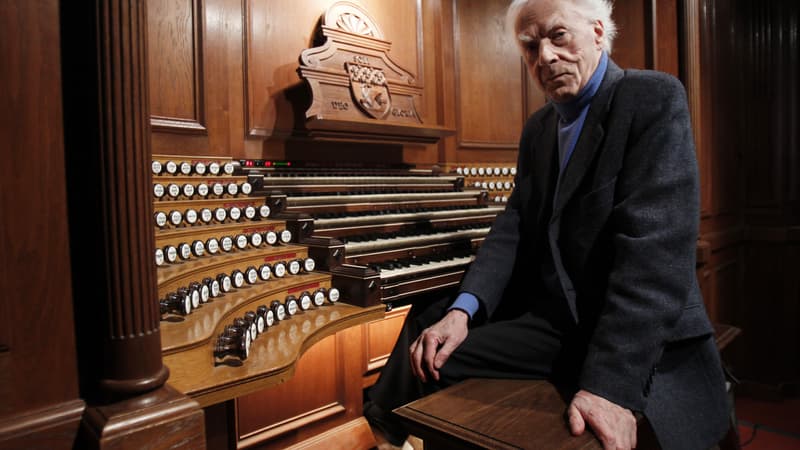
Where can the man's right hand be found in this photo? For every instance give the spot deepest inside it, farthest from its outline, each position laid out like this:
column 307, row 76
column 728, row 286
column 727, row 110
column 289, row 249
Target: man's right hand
column 431, row 349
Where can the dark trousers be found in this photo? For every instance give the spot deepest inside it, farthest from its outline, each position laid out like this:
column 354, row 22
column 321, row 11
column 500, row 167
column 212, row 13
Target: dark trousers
column 540, row 342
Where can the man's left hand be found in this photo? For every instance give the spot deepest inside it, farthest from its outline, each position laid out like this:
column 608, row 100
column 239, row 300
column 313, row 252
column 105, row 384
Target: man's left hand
column 614, row 425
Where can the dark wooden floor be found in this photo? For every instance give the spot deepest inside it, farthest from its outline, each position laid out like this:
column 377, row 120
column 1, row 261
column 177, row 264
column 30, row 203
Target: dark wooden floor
column 768, row 425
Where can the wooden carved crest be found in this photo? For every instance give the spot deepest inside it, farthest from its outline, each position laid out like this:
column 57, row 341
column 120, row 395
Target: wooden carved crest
column 355, row 86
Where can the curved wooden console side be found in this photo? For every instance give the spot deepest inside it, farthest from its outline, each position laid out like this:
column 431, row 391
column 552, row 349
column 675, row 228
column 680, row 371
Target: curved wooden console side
column 273, row 355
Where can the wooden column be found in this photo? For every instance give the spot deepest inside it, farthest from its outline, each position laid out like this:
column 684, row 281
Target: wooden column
column 108, row 151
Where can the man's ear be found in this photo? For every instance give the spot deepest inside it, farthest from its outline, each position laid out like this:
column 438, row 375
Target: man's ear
column 599, row 33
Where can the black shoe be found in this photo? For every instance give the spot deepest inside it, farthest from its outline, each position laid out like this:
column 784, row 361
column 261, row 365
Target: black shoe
column 386, row 423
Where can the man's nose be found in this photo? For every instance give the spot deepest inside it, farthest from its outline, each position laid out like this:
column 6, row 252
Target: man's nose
column 547, row 54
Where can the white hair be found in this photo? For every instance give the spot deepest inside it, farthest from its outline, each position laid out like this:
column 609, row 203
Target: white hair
column 592, row 10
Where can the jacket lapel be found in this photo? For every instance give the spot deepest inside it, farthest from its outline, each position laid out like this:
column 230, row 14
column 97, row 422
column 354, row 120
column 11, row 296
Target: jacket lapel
column 545, row 163
column 589, row 141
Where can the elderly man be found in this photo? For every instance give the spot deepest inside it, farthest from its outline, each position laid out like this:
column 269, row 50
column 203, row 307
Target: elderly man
column 588, row 276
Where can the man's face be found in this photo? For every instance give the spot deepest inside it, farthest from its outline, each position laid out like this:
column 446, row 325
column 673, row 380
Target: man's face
column 562, row 48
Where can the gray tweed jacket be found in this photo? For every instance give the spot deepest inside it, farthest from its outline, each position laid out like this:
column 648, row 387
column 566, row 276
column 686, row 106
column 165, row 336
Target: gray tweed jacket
column 622, row 233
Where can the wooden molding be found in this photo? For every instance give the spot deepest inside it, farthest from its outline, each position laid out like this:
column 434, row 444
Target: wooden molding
column 163, row 418
column 195, row 124
column 53, row 426
column 177, row 125
column 292, row 423
column 353, row 434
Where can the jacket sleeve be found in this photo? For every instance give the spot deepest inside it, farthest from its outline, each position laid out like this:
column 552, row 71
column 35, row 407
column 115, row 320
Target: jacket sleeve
column 654, row 223
column 491, row 271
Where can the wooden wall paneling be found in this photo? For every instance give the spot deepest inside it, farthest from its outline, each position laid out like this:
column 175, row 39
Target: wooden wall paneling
column 726, row 171
column 39, row 404
column 219, row 49
column 764, row 177
column 665, row 36
column 725, row 294
column 379, row 339
column 770, row 311
column 690, row 75
column 488, row 84
column 445, row 76
column 323, row 394
column 791, row 114
column 305, row 397
column 721, row 169
column 224, row 48
column 707, row 95
column 176, row 61
column 632, row 48
column 429, row 49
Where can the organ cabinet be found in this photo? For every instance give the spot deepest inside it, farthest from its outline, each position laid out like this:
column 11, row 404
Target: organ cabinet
column 240, row 298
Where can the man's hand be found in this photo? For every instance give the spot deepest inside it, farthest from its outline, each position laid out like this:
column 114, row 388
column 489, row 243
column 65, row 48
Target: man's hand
column 436, row 343
column 614, row 425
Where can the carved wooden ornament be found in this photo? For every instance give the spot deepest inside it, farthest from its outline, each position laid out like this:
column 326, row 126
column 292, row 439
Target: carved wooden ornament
column 354, row 82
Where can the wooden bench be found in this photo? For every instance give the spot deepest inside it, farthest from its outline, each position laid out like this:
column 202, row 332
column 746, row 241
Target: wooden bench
column 510, row 414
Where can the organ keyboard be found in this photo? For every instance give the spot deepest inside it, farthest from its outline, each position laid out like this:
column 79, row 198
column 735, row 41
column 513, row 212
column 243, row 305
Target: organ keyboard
column 385, row 238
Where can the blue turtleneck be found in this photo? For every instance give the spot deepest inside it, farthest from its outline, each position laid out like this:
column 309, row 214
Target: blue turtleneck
column 572, row 114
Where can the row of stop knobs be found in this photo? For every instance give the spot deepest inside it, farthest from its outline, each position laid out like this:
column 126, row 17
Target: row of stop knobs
column 186, row 299
column 236, row 338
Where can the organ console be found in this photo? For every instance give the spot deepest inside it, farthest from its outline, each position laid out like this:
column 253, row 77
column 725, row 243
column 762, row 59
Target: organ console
column 385, row 235
column 229, row 273
column 243, row 249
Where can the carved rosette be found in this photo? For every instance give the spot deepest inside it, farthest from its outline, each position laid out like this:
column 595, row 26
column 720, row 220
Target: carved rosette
column 352, row 77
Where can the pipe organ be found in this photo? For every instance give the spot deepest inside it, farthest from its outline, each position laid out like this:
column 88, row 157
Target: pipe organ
column 258, row 261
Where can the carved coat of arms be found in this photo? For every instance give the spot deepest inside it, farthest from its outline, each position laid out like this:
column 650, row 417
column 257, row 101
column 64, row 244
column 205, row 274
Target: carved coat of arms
column 357, row 90
column 370, row 90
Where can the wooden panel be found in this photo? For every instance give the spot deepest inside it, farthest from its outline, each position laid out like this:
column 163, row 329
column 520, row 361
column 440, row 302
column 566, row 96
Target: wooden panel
column 52, row 427
column 272, row 48
column 222, row 46
column 726, row 295
column 323, row 398
column 631, row 49
column 665, row 36
column 306, row 393
column 176, row 65
column 770, row 340
column 764, row 160
column 489, row 83
column 749, row 172
column 35, row 270
column 379, row 339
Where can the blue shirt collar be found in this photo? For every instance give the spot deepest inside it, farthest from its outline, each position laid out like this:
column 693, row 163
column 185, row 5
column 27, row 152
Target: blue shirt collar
column 570, row 110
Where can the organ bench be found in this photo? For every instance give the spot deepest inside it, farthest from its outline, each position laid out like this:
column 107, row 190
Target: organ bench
column 513, row 414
